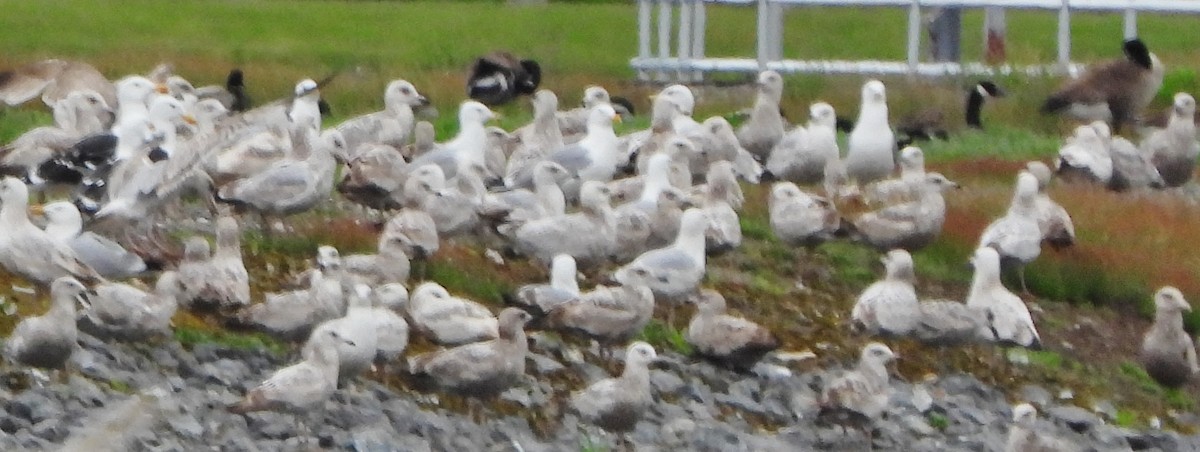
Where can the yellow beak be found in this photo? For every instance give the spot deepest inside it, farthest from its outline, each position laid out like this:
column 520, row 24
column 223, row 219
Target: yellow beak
column 616, row 119
column 161, row 88
column 37, row 209
column 189, row 119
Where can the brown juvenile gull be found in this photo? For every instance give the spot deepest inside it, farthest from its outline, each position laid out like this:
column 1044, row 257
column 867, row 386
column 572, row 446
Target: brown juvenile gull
column 54, row 80
column 871, row 144
column 391, row 126
column 30, row 252
column 1168, row 353
column 859, row 397
column 1174, row 149
column 357, row 327
column 904, row 187
column 47, row 341
column 1006, row 317
column 718, row 197
column 763, row 130
column 617, row 404
column 1053, row 220
column 389, row 265
column 798, row 218
column 562, row 287
column 482, row 369
column 889, row 306
column 292, row 315
column 802, row 153
column 416, row 229
column 107, row 257
column 606, row 314
column 375, row 177
column 912, row 224
column 127, row 312
column 299, row 387
column 446, row 319
column 1017, row 235
column 588, row 235
column 733, row 341
column 1023, row 436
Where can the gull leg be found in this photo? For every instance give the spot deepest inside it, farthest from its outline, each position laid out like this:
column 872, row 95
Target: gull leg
column 1021, row 276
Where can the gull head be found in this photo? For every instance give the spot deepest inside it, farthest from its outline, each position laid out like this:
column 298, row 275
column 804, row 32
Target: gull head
column 595, row 95
column 1170, row 299
column 898, row 264
column 823, row 114
column 472, row 112
column 873, row 92
column 1024, row 414
column 1184, row 105
column 876, row 352
column 680, row 96
column 306, row 87
column 640, row 354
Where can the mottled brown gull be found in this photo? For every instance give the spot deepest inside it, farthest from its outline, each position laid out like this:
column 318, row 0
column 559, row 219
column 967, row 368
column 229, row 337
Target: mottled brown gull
column 607, row 314
column 388, row 265
column 763, row 130
column 292, row 315
column 912, row 224
column 53, row 79
column 798, row 218
column 801, row 155
column 128, row 312
column 1168, row 354
column 1007, row 319
column 588, row 235
column 889, row 306
column 858, row 397
column 375, row 177
column 481, row 369
column 446, row 319
column 537, row 140
column 720, row 197
column 904, row 187
column 48, row 340
column 617, row 404
column 726, row 339
column 391, row 126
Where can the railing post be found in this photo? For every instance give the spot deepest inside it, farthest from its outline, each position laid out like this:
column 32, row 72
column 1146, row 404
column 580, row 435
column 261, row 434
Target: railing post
column 685, row 38
column 764, row 33
column 643, row 36
column 1131, row 28
column 700, row 21
column 995, row 40
column 914, row 36
column 945, row 35
column 664, row 38
column 1064, row 36
column 777, row 31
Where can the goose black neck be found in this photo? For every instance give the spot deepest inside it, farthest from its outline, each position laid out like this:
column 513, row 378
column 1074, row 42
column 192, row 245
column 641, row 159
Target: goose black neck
column 974, row 106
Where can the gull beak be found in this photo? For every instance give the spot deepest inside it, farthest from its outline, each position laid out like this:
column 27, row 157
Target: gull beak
column 616, row 119
column 189, row 119
column 82, row 299
column 496, row 116
column 422, row 101
column 37, row 209
column 653, row 97
column 161, row 88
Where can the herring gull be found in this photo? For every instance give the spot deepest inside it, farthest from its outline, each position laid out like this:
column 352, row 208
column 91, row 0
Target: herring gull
column 617, row 404
column 80, row 114
column 65, row 224
column 293, row 185
column 889, row 306
column 389, row 265
column 375, row 177
column 561, row 288
column 1168, row 354
column 730, row 340
column 1174, row 149
column 1132, row 168
column 481, row 369
column 676, row 270
column 447, row 319
column 1017, row 235
column 871, row 144
column 859, row 396
column 1085, row 154
column 801, row 155
column 466, row 147
column 799, row 218
column 292, row 315
column 720, row 197
column 904, row 187
column 1007, row 319
column 606, row 314
column 1053, row 220
column 416, row 230
column 391, row 329
column 912, row 224
column 594, row 158
column 391, row 126
column 124, row 311
column 763, row 130
column 28, row 251
column 537, row 139
column 588, row 235
column 47, row 341
column 357, row 352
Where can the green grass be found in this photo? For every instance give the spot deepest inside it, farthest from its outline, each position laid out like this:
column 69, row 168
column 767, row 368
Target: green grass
column 190, row 337
column 938, row 421
column 665, row 337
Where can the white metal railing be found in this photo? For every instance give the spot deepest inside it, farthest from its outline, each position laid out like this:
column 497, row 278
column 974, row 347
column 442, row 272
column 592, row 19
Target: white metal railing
column 688, row 63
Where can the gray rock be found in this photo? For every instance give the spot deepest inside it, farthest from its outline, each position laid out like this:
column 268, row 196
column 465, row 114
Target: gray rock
column 50, row 430
column 544, row 365
column 1078, row 419
column 186, row 425
column 1036, row 395
column 266, row 424
column 34, row 407
column 225, row 372
column 665, row 382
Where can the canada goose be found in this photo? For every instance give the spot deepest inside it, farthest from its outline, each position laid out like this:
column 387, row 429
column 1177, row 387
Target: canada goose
column 499, row 77
column 1114, row 91
column 929, row 123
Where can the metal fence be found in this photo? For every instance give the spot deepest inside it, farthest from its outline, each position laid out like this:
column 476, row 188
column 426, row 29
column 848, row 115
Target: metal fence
column 686, row 61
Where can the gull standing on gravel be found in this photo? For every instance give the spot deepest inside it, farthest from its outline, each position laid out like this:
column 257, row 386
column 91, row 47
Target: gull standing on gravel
column 65, row 225
column 1168, row 353
column 733, row 341
column 859, row 397
column 801, row 155
column 890, row 306
column 391, row 126
column 30, row 252
column 1024, row 437
column 562, row 287
column 124, row 311
column 481, row 369
column 798, row 218
column 48, row 341
column 447, row 319
column 871, row 143
column 617, row 404
column 1053, row 220
column 233, row 288
column 1007, row 318
column 676, row 270
column 1174, row 150
column 1017, row 235
column 357, row 352
column 588, row 235
column 911, row 225
column 764, row 129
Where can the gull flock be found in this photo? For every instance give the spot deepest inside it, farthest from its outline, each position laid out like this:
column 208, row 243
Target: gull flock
column 640, row 212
